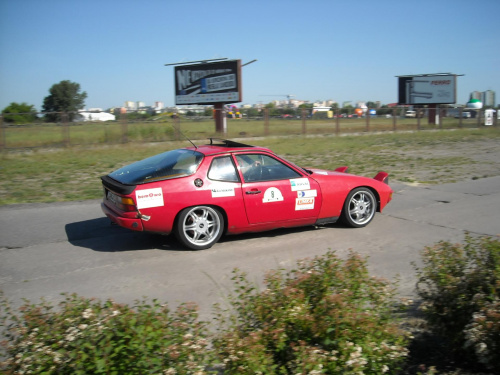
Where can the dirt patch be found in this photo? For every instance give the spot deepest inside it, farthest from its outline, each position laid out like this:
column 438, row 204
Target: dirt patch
column 451, row 162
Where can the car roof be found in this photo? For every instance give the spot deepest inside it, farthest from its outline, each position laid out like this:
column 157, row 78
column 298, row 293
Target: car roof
column 222, row 146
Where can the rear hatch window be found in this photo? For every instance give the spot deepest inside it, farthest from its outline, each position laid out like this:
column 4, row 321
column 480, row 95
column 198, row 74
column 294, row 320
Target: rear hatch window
column 171, row 164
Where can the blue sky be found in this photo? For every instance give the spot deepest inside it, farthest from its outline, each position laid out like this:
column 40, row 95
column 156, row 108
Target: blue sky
column 315, row 50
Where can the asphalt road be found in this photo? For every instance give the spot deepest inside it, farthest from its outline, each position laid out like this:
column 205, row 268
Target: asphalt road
column 49, row 249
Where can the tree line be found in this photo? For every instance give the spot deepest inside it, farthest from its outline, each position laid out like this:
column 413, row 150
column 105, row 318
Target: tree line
column 64, row 97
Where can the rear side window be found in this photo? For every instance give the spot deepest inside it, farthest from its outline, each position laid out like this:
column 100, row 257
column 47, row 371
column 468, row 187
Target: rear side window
column 223, row 169
column 171, row 164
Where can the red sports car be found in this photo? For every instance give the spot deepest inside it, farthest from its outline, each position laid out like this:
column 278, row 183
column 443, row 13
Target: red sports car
column 202, row 192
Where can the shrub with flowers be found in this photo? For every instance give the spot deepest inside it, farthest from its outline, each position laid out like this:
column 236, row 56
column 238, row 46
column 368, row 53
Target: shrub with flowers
column 328, row 316
column 84, row 336
column 482, row 334
column 460, row 289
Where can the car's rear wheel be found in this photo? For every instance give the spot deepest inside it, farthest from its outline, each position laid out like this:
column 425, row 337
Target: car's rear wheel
column 199, row 227
column 359, row 207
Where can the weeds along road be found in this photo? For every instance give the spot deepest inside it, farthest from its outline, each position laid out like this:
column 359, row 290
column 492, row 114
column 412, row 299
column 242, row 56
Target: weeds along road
column 49, row 249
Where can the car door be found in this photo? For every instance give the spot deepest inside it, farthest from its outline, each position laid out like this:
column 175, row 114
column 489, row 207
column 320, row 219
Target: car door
column 274, row 191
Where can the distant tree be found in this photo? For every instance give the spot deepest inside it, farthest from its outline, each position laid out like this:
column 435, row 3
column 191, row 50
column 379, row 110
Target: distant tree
column 251, row 112
column 65, row 96
column 384, row 110
column 289, row 111
column 17, row 113
column 346, row 109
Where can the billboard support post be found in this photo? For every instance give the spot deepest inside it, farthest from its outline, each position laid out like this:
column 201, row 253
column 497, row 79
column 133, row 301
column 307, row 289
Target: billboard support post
column 220, row 118
column 432, row 114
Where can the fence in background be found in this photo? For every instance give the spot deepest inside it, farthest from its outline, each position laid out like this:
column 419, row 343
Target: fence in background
column 66, row 133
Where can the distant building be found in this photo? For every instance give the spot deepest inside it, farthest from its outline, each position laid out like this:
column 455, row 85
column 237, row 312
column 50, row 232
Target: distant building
column 488, row 98
column 130, row 106
column 476, row 95
column 159, row 106
column 94, row 116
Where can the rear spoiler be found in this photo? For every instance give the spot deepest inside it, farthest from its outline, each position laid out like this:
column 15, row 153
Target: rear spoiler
column 382, row 177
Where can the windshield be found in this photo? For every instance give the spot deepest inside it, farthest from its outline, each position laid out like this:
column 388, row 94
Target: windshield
column 170, row 164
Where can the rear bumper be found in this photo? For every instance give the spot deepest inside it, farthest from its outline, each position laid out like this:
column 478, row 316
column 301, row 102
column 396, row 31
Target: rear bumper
column 125, row 222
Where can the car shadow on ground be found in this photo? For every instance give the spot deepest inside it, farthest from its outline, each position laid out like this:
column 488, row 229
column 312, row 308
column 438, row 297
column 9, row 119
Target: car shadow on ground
column 278, row 232
column 100, row 235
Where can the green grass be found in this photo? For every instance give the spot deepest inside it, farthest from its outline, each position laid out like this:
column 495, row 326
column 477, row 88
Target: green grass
column 68, row 174
column 39, row 135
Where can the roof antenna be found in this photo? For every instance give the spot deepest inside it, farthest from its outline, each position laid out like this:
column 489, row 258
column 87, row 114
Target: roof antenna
column 177, row 129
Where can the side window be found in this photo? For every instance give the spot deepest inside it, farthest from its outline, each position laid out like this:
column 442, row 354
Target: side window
column 258, row 167
column 222, row 169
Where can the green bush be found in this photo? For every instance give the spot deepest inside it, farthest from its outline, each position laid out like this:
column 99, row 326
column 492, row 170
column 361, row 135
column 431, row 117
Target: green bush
column 84, row 336
column 326, row 317
column 460, row 289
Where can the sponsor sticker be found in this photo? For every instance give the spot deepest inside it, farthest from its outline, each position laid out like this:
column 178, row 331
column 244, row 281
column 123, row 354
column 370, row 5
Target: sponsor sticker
column 299, row 184
column 307, row 194
column 272, row 195
column 304, row 204
column 219, row 191
column 149, row 198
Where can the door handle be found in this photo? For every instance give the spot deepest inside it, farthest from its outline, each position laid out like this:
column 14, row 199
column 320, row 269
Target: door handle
column 253, row 192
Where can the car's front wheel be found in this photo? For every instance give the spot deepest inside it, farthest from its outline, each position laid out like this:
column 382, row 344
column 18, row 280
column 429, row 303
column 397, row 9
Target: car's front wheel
column 199, row 227
column 359, row 207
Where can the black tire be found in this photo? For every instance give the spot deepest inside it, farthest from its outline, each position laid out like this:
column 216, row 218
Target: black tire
column 359, row 208
column 199, row 227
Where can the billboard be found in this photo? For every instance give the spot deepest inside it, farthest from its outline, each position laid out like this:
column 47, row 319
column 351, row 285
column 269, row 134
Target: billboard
column 427, row 89
column 208, row 83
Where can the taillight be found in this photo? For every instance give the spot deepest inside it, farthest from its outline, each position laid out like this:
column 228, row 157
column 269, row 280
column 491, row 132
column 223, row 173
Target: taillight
column 127, row 204
column 123, row 203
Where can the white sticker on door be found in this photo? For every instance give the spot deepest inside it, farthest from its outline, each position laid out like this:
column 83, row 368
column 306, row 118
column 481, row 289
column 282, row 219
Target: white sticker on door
column 149, row 198
column 222, row 190
column 272, row 195
column 307, row 194
column 304, row 204
column 299, row 184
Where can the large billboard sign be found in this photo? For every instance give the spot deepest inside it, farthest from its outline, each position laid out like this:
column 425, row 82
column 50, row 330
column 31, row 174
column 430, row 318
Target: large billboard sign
column 427, row 89
column 208, row 83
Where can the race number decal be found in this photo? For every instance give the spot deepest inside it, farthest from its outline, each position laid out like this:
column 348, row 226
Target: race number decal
column 272, row 195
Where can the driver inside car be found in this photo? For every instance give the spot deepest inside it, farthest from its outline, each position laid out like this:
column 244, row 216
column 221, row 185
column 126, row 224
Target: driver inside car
column 253, row 171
